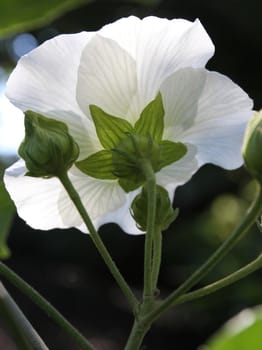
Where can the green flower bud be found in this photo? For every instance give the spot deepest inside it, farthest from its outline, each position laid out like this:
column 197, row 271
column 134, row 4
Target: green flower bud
column 252, row 146
column 165, row 214
column 48, row 149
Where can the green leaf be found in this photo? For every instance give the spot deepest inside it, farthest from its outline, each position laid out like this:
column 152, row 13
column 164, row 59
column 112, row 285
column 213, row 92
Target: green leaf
column 110, row 130
column 171, row 152
column 21, row 15
column 243, row 332
column 98, row 165
column 7, row 213
column 151, row 120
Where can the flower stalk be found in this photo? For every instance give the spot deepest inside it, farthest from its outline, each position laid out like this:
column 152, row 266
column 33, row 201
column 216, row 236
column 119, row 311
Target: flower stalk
column 148, row 292
column 98, row 242
column 152, row 258
column 157, row 255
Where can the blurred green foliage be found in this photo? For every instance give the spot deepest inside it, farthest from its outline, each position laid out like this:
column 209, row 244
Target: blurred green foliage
column 22, row 15
column 243, row 332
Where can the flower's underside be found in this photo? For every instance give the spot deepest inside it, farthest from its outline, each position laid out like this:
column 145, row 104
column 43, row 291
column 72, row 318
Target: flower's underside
column 121, row 69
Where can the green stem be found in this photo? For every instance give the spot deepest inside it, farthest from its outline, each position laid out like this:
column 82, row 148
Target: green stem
column 226, row 281
column 148, row 292
column 24, row 334
column 250, row 217
column 157, row 254
column 152, row 244
column 136, row 336
column 41, row 302
column 15, row 319
column 99, row 243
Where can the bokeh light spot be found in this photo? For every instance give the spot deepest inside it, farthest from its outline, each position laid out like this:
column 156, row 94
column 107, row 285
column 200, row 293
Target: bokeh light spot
column 22, row 44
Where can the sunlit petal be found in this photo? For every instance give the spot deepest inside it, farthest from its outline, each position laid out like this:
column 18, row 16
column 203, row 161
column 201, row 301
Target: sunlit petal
column 107, row 78
column 160, row 47
column 120, row 69
column 45, row 81
column 44, row 204
column 179, row 172
column 208, row 110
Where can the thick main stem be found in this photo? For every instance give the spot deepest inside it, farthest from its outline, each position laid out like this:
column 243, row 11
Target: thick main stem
column 136, row 336
column 229, row 243
column 98, row 242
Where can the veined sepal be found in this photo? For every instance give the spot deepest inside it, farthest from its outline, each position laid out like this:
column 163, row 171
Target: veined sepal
column 99, row 165
column 151, row 120
column 110, row 130
column 127, row 147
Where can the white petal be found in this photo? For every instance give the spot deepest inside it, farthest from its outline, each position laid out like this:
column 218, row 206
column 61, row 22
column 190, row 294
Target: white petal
column 179, row 172
column 105, row 202
column 123, row 217
column 45, row 81
column 125, row 32
column 44, row 204
column 107, row 78
column 36, row 199
column 101, row 198
column 208, row 110
column 160, row 47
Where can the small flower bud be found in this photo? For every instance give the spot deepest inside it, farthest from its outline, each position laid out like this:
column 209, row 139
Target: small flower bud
column 165, row 214
column 252, row 146
column 48, row 149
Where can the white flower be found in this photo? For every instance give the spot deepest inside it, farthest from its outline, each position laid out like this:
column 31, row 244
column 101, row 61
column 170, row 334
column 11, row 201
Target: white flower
column 121, row 68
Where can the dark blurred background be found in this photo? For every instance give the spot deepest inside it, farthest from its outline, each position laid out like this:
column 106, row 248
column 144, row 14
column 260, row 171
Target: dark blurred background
column 64, row 265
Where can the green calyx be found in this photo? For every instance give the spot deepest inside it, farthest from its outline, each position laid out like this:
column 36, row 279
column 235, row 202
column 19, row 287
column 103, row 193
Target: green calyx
column 48, row 149
column 126, row 146
column 128, row 156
